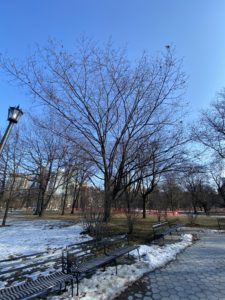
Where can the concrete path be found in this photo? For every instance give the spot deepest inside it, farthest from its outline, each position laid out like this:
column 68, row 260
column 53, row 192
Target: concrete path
column 198, row 273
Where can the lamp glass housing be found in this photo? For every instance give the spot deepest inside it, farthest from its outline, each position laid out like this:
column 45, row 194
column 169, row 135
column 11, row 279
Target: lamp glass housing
column 14, row 113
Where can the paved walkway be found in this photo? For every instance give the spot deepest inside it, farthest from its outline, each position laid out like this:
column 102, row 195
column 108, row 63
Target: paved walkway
column 198, row 273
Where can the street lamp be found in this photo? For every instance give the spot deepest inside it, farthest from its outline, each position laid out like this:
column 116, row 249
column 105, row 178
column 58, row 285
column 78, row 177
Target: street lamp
column 14, row 114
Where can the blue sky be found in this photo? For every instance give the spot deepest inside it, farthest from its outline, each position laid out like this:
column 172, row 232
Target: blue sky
column 195, row 27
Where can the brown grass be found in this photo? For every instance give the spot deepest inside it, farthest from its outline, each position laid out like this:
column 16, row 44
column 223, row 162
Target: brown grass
column 142, row 228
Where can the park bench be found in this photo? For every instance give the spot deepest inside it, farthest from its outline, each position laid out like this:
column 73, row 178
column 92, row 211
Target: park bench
column 221, row 223
column 38, row 287
column 87, row 257
column 160, row 230
column 24, row 269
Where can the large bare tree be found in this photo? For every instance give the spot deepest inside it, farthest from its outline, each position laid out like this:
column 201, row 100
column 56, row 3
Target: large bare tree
column 105, row 99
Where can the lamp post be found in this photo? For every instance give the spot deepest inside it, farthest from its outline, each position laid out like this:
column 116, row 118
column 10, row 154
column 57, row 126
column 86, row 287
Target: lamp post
column 14, row 113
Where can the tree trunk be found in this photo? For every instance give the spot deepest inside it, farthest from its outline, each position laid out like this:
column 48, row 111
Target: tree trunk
column 107, row 206
column 40, row 207
column 39, row 203
column 195, row 208
column 6, row 212
column 63, row 204
column 76, row 194
column 144, row 207
column 64, row 199
column 40, row 212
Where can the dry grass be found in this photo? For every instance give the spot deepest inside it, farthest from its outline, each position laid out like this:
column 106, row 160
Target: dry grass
column 142, row 227
column 48, row 215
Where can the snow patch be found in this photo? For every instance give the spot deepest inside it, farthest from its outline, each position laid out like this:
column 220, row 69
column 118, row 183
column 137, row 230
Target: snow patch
column 26, row 237
column 107, row 285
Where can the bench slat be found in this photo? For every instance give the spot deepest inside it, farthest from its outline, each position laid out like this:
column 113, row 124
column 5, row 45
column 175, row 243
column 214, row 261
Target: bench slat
column 37, row 287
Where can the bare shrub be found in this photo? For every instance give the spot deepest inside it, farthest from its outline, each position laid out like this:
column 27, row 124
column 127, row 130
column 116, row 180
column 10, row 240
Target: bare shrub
column 92, row 215
column 132, row 216
column 192, row 217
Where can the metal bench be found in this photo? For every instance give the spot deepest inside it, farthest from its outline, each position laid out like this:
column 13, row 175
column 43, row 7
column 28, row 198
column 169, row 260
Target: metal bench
column 86, row 257
column 38, row 287
column 119, row 245
column 221, row 223
column 160, row 230
column 22, row 269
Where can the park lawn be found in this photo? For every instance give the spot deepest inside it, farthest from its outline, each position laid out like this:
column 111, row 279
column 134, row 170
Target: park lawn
column 143, row 227
column 142, row 232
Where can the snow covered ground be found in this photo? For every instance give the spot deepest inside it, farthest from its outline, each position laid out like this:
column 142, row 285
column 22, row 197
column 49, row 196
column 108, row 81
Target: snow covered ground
column 25, row 237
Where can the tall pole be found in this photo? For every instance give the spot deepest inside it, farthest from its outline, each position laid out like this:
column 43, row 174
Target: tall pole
column 5, row 137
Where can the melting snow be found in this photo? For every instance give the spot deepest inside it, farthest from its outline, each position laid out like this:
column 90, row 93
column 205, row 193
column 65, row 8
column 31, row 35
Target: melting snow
column 25, row 237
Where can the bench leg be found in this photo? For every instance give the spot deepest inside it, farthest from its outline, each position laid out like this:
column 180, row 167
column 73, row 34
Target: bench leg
column 162, row 241
column 77, row 281
column 116, row 265
column 60, row 288
column 138, row 254
column 72, row 286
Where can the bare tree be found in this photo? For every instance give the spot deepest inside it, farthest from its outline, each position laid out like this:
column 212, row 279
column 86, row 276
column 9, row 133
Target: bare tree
column 210, row 130
column 76, row 171
column 215, row 170
column 14, row 154
column 104, row 99
column 45, row 154
column 172, row 191
column 164, row 155
column 197, row 184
